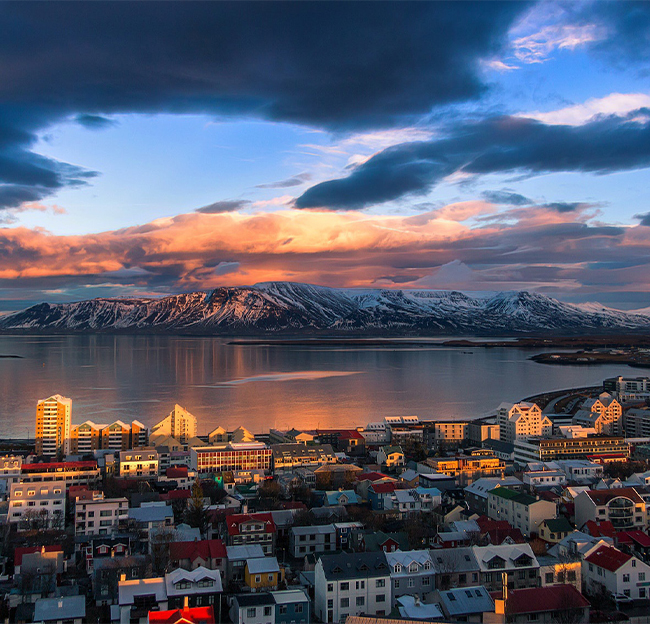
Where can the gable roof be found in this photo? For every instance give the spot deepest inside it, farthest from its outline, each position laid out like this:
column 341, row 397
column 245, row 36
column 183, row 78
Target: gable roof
column 354, row 565
column 383, row 487
column 602, row 497
column 193, row 615
column 637, row 536
column 609, row 558
column 203, row 549
column 466, row 601
column 21, row 551
column 544, row 599
column 558, row 525
column 262, row 565
column 235, row 520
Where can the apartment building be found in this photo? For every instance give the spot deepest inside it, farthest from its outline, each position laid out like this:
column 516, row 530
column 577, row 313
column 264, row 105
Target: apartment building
column 476, row 494
column 139, row 464
column 231, row 456
column 37, row 505
column 604, row 414
column 53, row 422
column 446, row 432
column 411, row 572
column 312, row 540
column 551, row 449
column 296, row 455
column 478, row 431
column 467, row 468
column 521, row 511
column 637, row 422
column 178, row 424
column 516, row 561
column 84, row 473
column 522, row 421
column 627, row 389
column 351, row 584
column 623, row 507
column 100, row 517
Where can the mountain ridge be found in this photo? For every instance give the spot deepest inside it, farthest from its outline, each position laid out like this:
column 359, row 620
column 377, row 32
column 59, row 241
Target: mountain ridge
column 294, row 308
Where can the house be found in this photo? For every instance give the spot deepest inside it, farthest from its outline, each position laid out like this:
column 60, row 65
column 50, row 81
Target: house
column 455, row 567
column 539, row 479
column 498, row 532
column 237, row 557
column 415, row 501
column 411, row 572
column 346, row 533
column 263, row 573
column 107, row 573
column 142, row 463
column 380, row 495
column 257, row 528
column 42, row 557
column 560, row 571
column 341, row 497
column 476, row 494
column 468, row 604
column 624, row 507
column 61, row 610
column 100, row 517
column 543, row 605
column 608, row 569
column 179, row 475
column 106, row 548
column 154, row 515
column 292, row 606
column 554, row 530
column 351, row 584
column 516, row 561
column 522, row 511
column 137, row 597
column 312, row 540
column 374, row 541
column 412, row 609
column 391, row 456
column 186, row 615
column 252, row 609
column 193, row 588
column 210, row 554
column 635, row 542
column 579, row 471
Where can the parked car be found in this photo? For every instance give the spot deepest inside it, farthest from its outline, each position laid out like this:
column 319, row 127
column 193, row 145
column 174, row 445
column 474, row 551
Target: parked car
column 622, row 599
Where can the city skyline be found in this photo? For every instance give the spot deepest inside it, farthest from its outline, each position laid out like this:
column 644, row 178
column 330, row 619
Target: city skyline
column 149, row 149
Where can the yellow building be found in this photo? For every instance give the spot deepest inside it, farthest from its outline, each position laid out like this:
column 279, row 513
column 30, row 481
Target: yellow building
column 263, row 574
column 53, row 422
column 467, row 468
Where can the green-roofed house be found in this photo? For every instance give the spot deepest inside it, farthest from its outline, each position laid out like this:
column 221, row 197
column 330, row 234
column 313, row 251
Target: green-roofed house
column 555, row 529
column 390, row 456
column 521, row 511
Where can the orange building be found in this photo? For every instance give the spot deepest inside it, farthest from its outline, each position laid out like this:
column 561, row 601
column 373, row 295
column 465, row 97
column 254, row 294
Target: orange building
column 53, row 418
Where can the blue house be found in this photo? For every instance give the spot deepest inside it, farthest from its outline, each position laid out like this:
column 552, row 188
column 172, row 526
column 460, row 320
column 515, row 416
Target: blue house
column 291, row 606
column 341, row 497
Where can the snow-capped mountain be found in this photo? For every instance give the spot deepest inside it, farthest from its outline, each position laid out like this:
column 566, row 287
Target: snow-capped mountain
column 302, row 308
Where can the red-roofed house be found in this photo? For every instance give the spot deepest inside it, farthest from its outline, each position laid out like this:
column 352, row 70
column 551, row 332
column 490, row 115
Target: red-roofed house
column 498, row 536
column 635, row 542
column 380, row 492
column 542, row 605
column 194, row 615
column 210, row 554
column 54, row 553
column 176, row 495
column 181, row 475
column 601, row 528
column 610, row 570
column 255, row 528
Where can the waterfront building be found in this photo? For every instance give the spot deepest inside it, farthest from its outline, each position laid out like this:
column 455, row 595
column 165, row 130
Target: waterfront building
column 139, row 464
column 231, row 456
column 602, row 414
column 100, row 517
column 70, row 473
column 446, row 432
column 37, row 505
column 88, row 437
column 521, row 421
column 624, row 507
column 376, row 434
column 179, row 424
column 53, row 422
column 551, row 449
column 627, row 389
column 350, row 584
column 521, row 511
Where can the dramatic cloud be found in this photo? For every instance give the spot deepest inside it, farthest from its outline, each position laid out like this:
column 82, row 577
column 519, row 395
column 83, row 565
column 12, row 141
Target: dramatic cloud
column 644, row 219
column 536, row 247
column 341, row 65
column 496, row 145
column 224, row 206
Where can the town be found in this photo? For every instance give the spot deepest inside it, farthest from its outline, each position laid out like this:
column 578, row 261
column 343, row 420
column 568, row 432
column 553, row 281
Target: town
column 538, row 513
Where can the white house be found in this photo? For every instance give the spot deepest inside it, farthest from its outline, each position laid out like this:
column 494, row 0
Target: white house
column 100, row 517
column 616, row 572
column 522, row 511
column 352, row 584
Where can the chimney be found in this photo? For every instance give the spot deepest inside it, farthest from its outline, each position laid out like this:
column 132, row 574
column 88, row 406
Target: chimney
column 417, row 600
column 186, row 602
column 504, row 581
column 122, row 577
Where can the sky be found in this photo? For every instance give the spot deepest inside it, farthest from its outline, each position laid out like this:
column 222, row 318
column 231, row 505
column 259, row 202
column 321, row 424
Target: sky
column 155, row 148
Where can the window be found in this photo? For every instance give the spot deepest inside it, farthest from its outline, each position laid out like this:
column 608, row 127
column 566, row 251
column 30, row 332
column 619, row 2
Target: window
column 381, row 598
column 251, row 612
column 258, row 578
column 345, row 586
column 548, row 578
column 345, row 602
column 642, row 576
column 270, row 578
column 330, row 603
column 411, row 582
column 330, row 587
column 361, row 585
column 380, row 583
column 462, row 578
column 106, row 512
column 267, row 611
column 571, row 576
column 361, row 601
column 634, row 563
column 626, row 578
column 298, row 608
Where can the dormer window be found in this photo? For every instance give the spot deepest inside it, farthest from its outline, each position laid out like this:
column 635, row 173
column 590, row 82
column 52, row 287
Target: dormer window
column 427, row 565
column 398, row 568
column 413, row 567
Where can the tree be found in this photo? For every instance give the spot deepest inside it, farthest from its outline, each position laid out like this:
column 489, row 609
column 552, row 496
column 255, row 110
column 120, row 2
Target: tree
column 196, row 514
column 160, row 550
column 269, row 492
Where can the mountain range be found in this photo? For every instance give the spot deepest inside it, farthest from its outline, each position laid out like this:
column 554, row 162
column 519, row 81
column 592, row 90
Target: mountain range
column 291, row 308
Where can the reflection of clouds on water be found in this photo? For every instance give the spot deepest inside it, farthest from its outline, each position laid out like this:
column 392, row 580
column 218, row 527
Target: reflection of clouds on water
column 293, row 376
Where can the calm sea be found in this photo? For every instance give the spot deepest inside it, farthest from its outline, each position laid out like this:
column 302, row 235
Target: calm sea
column 127, row 377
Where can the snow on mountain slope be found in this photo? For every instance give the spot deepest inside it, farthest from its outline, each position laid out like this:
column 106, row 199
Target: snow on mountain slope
column 294, row 308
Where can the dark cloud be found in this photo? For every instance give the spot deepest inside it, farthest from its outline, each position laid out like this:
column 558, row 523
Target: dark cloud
column 566, row 206
column 94, row 122
column 506, row 197
column 345, row 65
column 644, row 219
column 229, row 205
column 494, row 145
column 296, row 180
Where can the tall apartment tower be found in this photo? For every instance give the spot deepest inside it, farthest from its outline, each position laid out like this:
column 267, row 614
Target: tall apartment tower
column 178, row 424
column 53, row 422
